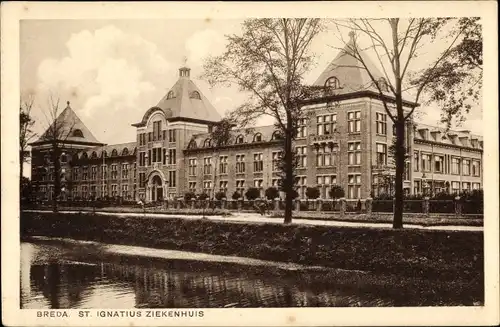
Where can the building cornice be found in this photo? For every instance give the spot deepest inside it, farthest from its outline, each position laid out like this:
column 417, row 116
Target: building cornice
column 235, row 146
column 358, row 94
column 451, row 146
column 61, row 142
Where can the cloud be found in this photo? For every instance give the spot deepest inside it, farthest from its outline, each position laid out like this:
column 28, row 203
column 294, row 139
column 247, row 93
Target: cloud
column 203, row 44
column 108, row 72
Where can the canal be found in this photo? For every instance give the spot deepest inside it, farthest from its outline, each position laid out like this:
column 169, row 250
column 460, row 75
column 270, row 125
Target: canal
column 57, row 276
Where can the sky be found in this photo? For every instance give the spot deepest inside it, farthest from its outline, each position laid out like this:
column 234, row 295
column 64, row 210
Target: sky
column 112, row 71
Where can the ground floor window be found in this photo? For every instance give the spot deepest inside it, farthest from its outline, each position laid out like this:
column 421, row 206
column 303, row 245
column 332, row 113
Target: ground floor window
column 466, row 186
column 192, row 187
column 416, row 187
column 354, row 186
column 240, row 187
column 455, row 187
column 325, row 183
column 207, row 187
column 476, row 186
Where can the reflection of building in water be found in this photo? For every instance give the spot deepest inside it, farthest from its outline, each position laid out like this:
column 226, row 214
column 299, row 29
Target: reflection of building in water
column 179, row 289
column 63, row 285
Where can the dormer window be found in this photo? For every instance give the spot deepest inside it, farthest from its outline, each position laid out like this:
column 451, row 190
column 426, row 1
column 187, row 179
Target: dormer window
column 257, row 138
column 125, row 152
column 276, row 136
column 77, row 133
column 239, row 139
column 192, row 144
column 114, row 153
column 207, row 143
column 382, row 84
column 332, row 83
column 170, row 95
column 195, row 95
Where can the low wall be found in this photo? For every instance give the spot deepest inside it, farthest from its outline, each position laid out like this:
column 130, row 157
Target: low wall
column 426, row 253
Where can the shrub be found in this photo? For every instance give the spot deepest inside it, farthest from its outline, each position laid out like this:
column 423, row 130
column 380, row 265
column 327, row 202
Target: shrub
column 252, row 193
column 236, row 195
column 272, row 193
column 203, row 196
column 220, row 195
column 312, row 193
column 189, row 196
column 336, row 192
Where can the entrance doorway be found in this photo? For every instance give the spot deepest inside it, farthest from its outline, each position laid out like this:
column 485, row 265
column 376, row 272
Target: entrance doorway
column 156, row 189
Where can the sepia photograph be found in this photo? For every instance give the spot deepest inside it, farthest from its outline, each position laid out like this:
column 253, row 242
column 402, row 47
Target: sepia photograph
column 172, row 165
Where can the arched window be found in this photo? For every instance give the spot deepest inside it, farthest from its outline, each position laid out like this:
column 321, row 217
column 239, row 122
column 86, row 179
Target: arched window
column 94, row 155
column 104, row 154
column 382, row 84
column 207, row 143
column 240, row 139
column 333, row 83
column 257, row 137
column 170, row 95
column 85, row 155
column 114, row 153
column 77, row 133
column 276, row 136
column 192, row 144
column 125, row 152
column 195, row 95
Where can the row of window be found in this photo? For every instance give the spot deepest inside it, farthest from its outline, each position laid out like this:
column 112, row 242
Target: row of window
column 157, row 135
column 446, row 164
column 157, row 155
column 103, row 172
column 427, row 187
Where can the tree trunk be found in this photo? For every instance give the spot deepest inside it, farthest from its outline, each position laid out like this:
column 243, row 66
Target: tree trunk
column 288, row 182
column 21, row 164
column 400, row 164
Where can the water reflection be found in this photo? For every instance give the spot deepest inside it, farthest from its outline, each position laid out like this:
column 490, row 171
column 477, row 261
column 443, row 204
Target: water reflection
column 52, row 278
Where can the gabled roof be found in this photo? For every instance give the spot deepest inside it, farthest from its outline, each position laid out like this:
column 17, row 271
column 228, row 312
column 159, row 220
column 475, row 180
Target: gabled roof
column 70, row 129
column 350, row 71
column 185, row 100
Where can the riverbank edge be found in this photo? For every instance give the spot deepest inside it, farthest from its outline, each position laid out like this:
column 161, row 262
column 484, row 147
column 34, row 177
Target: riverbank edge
column 421, row 290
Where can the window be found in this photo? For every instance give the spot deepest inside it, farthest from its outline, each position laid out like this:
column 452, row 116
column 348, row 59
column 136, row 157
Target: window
column 223, row 165
column 64, row 158
column 416, row 187
column 382, row 84
column 142, row 139
column 258, row 183
column 207, row 143
column 258, row 163
column 223, row 187
column 466, row 186
column 77, row 133
column 476, row 166
column 455, row 187
column 171, row 178
column 93, row 173
column 381, row 121
column 240, row 163
column 150, row 136
column 164, row 157
column 156, row 152
column 415, row 161
column 381, row 154
column 325, row 156
column 354, row 121
column 326, row 124
column 333, row 83
column 142, row 180
column 76, row 173
column 301, row 182
column 114, row 153
column 276, row 157
column 324, row 183
column 476, row 186
column 192, row 187
column 276, row 136
column 426, row 162
column 240, row 186
column 301, row 153
column 192, row 163
column 170, row 95
column 455, row 166
column 172, row 157
column 157, row 130
column 257, row 137
column 207, row 165
column 125, row 171
column 207, row 187
column 51, row 174
column 302, row 128
column 85, row 194
column 466, row 167
column 125, row 194
column 114, row 171
column 275, row 182
column 240, row 139
column 164, row 135
column 354, row 186
column 438, row 164
column 114, row 190
column 195, row 95
column 84, row 173
column 171, row 135
column 142, row 159
column 354, row 153
column 104, row 190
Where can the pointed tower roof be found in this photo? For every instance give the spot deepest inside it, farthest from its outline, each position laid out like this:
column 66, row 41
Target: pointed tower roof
column 349, row 71
column 185, row 101
column 70, row 128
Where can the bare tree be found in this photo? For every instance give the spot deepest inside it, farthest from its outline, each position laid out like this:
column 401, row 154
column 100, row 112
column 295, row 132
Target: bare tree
column 26, row 134
column 60, row 127
column 395, row 54
column 268, row 61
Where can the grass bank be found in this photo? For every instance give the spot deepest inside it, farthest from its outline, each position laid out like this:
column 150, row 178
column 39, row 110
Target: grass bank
column 417, row 253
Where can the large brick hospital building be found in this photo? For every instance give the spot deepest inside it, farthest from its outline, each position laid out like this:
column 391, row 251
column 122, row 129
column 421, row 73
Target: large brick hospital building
column 344, row 143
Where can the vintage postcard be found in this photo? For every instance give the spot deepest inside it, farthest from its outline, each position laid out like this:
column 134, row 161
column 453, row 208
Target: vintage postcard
column 250, row 163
